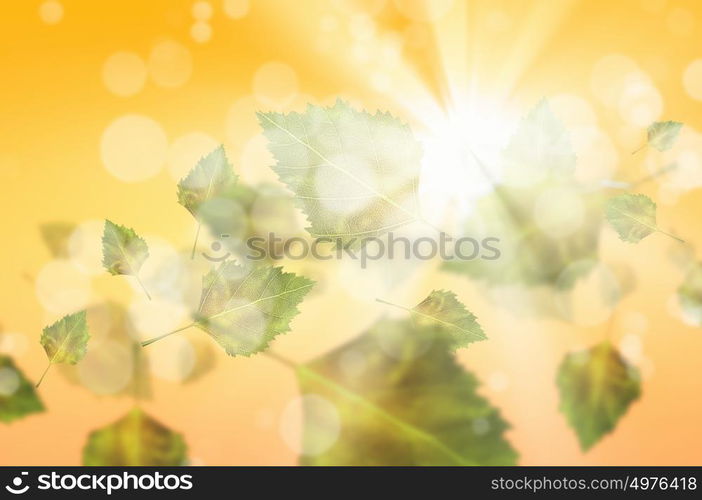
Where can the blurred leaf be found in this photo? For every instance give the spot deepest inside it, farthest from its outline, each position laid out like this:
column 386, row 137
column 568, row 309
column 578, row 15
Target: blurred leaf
column 135, row 440
column 56, row 236
column 253, row 212
column 596, row 387
column 123, row 251
column 540, row 149
column 66, row 340
column 353, row 174
column 403, row 400
column 211, row 178
column 537, row 168
column 690, row 294
column 528, row 255
column 17, row 396
column 662, row 135
column 244, row 310
column 633, row 216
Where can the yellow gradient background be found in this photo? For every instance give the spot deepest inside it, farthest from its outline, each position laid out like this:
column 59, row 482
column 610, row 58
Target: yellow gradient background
column 55, row 106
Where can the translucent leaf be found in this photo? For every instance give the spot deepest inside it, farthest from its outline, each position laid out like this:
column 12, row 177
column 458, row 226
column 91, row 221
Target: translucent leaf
column 662, row 135
column 211, row 178
column 528, row 253
column 538, row 217
column 633, row 216
column 123, row 251
column 17, row 396
column 597, row 386
column 244, row 310
column 135, row 440
column 443, row 310
column 353, row 174
column 251, row 215
column 66, row 340
column 401, row 399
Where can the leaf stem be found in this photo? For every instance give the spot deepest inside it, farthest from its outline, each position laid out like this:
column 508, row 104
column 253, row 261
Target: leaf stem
column 41, row 379
column 142, row 286
column 394, row 305
column 645, row 144
column 156, row 339
column 197, row 236
column 671, row 236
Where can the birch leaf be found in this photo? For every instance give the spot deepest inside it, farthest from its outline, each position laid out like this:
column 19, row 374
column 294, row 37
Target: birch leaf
column 443, row 310
column 210, row 179
column 397, row 397
column 66, row 340
column 244, row 310
column 353, row 174
column 56, row 236
column 135, row 440
column 633, row 216
column 123, row 251
column 17, row 396
column 597, row 386
column 690, row 294
column 662, row 135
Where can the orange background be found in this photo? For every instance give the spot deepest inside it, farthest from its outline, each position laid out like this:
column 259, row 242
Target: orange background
column 55, row 107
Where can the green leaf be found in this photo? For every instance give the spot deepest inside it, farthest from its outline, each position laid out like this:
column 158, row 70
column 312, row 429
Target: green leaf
column 528, row 254
column 210, row 179
column 662, row 135
column 66, row 340
column 398, row 397
column 353, row 174
column 443, row 310
column 521, row 214
column 17, row 396
column 244, row 310
column 208, row 189
column 690, row 294
column 597, row 386
column 135, row 440
column 123, row 251
column 56, row 236
column 633, row 216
